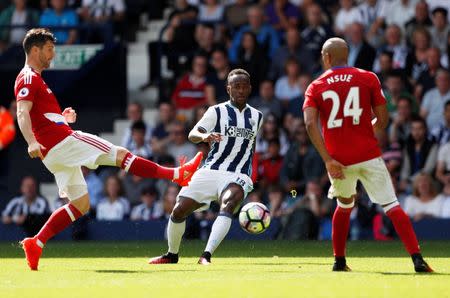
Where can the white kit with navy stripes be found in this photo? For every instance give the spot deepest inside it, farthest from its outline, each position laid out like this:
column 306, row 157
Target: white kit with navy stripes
column 238, row 129
column 230, row 160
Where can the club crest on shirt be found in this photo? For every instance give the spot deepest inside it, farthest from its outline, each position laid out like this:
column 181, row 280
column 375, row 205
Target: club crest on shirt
column 24, row 92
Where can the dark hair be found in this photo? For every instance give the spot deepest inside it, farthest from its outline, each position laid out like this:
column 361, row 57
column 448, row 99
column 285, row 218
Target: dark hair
column 440, row 10
column 405, row 98
column 139, row 125
column 37, row 37
column 421, row 120
column 151, row 191
column 446, row 104
column 274, row 141
column 237, row 71
column 390, row 54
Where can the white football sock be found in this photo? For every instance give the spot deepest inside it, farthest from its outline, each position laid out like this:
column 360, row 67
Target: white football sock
column 219, row 230
column 175, row 232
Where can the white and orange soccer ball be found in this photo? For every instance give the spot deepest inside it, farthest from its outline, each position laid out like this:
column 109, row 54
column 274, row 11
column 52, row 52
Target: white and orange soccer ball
column 254, row 218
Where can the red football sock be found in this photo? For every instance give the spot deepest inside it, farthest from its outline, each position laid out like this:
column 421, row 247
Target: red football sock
column 404, row 229
column 145, row 168
column 58, row 221
column 341, row 225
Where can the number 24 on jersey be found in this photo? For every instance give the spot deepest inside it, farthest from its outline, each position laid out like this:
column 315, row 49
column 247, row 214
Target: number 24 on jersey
column 351, row 107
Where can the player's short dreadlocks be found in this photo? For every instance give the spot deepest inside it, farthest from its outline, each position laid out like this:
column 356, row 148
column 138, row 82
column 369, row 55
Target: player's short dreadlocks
column 237, row 71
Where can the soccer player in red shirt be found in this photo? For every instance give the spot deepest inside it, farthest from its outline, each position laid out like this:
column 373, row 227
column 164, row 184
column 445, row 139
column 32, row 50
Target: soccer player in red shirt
column 345, row 97
column 63, row 151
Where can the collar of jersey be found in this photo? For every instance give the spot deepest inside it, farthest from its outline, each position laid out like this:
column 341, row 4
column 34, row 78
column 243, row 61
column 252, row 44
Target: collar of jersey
column 236, row 108
column 340, row 67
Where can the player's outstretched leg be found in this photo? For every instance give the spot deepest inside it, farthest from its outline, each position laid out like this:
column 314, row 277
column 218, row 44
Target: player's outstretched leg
column 175, row 230
column 147, row 169
column 340, row 228
column 58, row 221
column 405, row 231
column 231, row 199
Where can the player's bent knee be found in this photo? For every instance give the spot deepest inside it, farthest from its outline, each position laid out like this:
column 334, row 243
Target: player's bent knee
column 389, row 206
column 121, row 154
column 82, row 203
column 346, row 203
column 231, row 198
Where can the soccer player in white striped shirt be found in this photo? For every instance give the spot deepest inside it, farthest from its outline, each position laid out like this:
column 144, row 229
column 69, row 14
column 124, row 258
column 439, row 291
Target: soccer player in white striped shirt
column 231, row 128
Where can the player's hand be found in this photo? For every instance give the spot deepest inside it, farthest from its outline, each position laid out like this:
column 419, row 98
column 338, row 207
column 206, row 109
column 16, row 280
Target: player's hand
column 335, row 169
column 34, row 150
column 212, row 137
column 70, row 115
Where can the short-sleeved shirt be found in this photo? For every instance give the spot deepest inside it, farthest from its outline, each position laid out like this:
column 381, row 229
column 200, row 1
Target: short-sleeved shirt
column 345, row 97
column 104, row 7
column 48, row 125
column 234, row 153
column 433, row 102
column 444, row 156
column 67, row 17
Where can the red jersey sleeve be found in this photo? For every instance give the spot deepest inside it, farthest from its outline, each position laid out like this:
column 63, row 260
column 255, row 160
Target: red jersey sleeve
column 377, row 96
column 26, row 88
column 310, row 98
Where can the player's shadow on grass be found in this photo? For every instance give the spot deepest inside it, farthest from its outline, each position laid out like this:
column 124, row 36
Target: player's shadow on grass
column 138, row 271
column 412, row 273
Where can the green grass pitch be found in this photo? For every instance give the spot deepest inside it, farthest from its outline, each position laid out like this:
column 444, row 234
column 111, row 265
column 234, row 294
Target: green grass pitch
column 239, row 269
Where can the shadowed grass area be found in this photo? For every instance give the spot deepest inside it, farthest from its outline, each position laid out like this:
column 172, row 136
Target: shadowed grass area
column 239, row 269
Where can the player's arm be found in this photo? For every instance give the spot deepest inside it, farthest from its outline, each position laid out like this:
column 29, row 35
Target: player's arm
column 311, row 116
column 382, row 118
column 201, row 131
column 199, row 134
column 24, row 121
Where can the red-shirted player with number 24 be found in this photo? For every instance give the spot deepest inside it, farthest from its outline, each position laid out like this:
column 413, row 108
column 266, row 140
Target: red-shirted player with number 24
column 344, row 97
column 63, row 151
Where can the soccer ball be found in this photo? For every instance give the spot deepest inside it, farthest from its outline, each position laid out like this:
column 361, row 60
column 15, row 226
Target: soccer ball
column 254, row 218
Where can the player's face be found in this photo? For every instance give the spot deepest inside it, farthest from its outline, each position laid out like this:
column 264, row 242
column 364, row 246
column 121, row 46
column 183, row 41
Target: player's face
column 239, row 89
column 46, row 54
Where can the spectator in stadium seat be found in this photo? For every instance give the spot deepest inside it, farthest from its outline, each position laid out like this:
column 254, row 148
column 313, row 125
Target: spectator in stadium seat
column 419, row 153
column 386, row 68
column 441, row 132
column 169, row 199
column 316, row 32
column 443, row 166
column 301, row 163
column 440, row 29
column 361, row 53
column 252, row 59
column 421, row 41
column 372, row 14
column 113, row 206
column 160, row 134
column 282, row 15
column 394, row 90
column 303, row 214
column 427, row 77
column 391, row 153
column 433, row 102
column 135, row 112
column 287, row 87
column 179, row 144
column 139, row 146
column 216, row 81
column 107, row 17
column 266, row 36
column 16, row 14
column 266, row 101
column 179, row 37
column 401, row 57
column 346, row 15
column 400, row 127
column 421, row 20
column 236, row 14
column 425, row 201
column 210, row 11
column 150, row 208
column 399, row 12
column 94, row 185
column 190, row 90
column 294, row 48
column 133, row 187
column 60, row 15
column 270, row 130
column 269, row 165
column 28, row 210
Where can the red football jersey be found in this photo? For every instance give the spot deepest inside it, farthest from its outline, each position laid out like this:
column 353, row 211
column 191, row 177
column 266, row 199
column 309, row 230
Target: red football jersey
column 345, row 97
column 48, row 124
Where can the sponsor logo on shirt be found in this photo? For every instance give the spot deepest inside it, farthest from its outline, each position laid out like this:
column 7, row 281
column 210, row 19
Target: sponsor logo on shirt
column 239, row 132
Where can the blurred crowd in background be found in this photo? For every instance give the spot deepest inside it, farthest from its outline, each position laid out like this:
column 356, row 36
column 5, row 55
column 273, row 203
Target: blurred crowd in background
column 405, row 42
